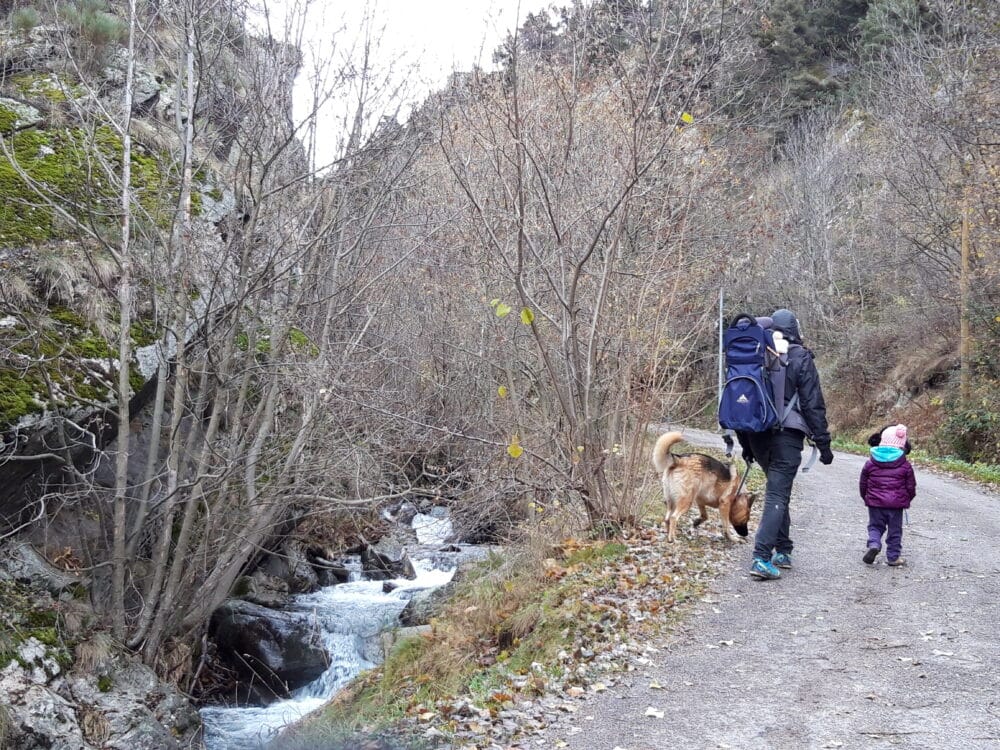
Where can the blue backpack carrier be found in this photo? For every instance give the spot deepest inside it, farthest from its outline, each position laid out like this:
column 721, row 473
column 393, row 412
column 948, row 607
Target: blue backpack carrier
column 748, row 398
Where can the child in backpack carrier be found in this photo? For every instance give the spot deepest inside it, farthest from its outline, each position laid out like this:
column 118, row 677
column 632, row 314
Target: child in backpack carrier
column 887, row 486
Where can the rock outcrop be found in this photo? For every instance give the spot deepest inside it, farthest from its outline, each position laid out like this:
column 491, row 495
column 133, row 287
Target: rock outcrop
column 127, row 708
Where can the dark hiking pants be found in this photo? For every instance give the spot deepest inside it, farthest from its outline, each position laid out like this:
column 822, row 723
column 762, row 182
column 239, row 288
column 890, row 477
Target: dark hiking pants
column 888, row 521
column 779, row 455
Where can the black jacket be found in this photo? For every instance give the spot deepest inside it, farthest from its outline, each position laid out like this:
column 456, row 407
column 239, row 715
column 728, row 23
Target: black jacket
column 801, row 377
column 809, row 415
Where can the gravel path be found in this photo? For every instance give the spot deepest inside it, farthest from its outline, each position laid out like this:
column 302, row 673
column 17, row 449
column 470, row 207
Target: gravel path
column 836, row 654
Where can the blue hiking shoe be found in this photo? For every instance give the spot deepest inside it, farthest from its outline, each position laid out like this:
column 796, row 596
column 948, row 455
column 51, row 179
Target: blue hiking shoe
column 764, row 570
column 782, row 560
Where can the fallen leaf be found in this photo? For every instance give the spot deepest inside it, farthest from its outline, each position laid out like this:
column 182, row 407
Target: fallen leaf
column 656, row 714
column 654, row 685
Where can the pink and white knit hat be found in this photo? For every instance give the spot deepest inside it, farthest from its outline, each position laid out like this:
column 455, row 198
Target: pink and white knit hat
column 894, row 437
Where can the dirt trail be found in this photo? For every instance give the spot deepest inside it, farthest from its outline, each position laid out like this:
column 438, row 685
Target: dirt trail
column 836, row 654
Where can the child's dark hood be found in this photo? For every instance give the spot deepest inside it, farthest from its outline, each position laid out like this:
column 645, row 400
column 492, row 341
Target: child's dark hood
column 786, row 322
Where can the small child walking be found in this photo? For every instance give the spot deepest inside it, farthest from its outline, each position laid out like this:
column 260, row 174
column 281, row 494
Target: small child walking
column 887, row 486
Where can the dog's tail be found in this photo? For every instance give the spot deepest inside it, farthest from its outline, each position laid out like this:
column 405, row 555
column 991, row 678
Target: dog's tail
column 662, row 458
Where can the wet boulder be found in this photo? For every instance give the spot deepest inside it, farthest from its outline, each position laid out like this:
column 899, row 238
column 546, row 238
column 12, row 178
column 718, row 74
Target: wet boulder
column 263, row 589
column 426, row 604
column 291, row 564
column 284, row 649
column 387, row 559
column 328, row 572
column 406, row 513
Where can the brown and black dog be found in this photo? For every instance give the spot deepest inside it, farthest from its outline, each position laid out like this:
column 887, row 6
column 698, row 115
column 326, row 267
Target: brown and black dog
column 697, row 478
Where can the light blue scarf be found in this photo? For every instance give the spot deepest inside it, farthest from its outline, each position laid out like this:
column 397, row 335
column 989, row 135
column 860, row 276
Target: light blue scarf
column 886, row 453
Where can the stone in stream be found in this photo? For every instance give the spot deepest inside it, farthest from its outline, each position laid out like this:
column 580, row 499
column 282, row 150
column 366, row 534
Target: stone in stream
column 283, row 649
column 387, row 559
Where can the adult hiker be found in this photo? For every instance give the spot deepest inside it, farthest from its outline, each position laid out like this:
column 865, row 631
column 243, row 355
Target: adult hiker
column 779, row 451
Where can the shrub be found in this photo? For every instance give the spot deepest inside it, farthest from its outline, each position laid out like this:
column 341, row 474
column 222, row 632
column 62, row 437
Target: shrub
column 24, row 20
column 96, row 28
column 888, row 22
column 974, row 432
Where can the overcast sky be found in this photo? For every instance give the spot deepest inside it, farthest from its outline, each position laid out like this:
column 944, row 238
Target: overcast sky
column 419, row 43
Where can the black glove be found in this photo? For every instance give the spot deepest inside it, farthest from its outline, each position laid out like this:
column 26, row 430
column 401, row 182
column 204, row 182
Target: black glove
column 825, row 454
column 748, row 455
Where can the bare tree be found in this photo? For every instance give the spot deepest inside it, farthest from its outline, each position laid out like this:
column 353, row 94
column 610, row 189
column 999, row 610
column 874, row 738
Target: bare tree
column 580, row 257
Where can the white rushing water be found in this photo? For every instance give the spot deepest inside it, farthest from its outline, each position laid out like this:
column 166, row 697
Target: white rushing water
column 431, row 528
column 350, row 616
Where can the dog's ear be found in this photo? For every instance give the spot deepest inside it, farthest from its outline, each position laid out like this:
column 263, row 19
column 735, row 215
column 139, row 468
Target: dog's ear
column 739, row 511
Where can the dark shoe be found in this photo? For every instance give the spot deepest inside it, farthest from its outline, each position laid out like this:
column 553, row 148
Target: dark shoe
column 871, row 554
column 764, row 570
column 782, row 560
column 897, row 562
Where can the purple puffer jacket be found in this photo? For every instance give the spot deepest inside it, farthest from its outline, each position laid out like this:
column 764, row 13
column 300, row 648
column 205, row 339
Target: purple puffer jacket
column 889, row 484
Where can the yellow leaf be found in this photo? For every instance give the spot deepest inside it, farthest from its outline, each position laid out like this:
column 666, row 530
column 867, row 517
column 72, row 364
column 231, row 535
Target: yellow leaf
column 494, row 302
column 502, row 310
column 527, row 316
column 514, row 450
column 502, row 391
column 687, row 118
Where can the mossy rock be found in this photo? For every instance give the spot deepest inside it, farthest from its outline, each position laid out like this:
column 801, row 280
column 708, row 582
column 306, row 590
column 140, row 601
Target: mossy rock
column 25, row 615
column 78, row 169
column 64, row 363
column 48, row 86
column 15, row 115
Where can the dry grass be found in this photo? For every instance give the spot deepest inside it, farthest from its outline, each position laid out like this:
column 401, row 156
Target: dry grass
column 94, row 655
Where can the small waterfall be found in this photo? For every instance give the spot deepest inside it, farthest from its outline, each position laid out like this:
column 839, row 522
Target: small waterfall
column 432, row 528
column 350, row 616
